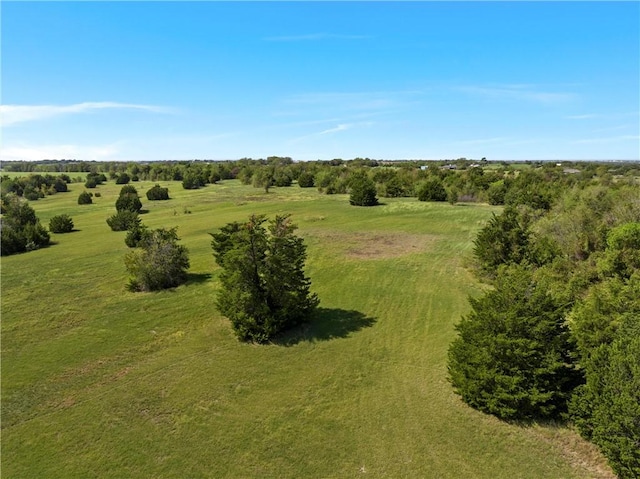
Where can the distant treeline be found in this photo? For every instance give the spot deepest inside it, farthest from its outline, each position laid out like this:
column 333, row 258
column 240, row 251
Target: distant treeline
column 534, row 183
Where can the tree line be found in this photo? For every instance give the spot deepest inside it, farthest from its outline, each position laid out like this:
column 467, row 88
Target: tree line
column 558, row 335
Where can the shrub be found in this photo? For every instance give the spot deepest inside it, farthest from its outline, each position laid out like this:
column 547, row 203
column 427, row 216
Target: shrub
column 20, row 228
column 91, row 182
column 305, row 180
column 159, row 263
column 128, row 190
column 135, row 235
column 128, row 201
column 60, row 185
column 432, row 190
column 124, row 220
column 123, row 179
column 362, row 191
column 61, row 224
column 85, row 198
column 157, row 193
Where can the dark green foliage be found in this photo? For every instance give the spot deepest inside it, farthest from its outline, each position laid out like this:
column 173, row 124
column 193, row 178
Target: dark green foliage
column 60, row 185
column 264, row 289
column 362, row 191
column 504, row 240
column 20, row 228
column 305, row 180
column 496, row 193
column 432, row 189
column 135, row 235
column 61, row 224
column 91, row 183
column 157, row 193
column 123, row 179
column 123, row 220
column 606, row 409
column 192, row 180
column 159, row 263
column 513, row 354
column 128, row 202
column 128, row 190
column 85, row 198
column 622, row 255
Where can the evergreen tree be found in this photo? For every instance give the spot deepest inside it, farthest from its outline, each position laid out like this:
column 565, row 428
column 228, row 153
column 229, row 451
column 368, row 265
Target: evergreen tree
column 362, row 191
column 513, row 356
column 264, row 289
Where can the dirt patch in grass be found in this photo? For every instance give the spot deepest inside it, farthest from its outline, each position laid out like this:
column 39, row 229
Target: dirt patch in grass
column 377, row 245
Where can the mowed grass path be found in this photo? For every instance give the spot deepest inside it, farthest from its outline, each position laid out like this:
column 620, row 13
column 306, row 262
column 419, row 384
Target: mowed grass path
column 101, row 382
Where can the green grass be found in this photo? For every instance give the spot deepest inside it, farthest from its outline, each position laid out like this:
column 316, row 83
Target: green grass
column 101, row 382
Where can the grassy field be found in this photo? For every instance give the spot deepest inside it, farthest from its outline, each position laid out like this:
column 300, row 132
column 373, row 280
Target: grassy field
column 101, row 382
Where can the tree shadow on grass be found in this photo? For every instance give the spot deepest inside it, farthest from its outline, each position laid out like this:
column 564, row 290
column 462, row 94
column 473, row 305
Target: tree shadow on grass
column 326, row 324
column 197, row 278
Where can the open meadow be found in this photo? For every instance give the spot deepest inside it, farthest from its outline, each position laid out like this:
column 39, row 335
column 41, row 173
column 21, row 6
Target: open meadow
column 101, row 382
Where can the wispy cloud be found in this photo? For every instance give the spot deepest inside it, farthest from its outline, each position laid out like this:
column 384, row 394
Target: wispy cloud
column 354, row 101
column 587, row 116
column 329, row 131
column 528, row 93
column 12, row 114
column 315, row 37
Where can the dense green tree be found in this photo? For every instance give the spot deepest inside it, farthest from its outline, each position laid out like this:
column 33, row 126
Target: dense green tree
column 607, row 408
column 513, row 356
column 157, row 193
column 264, row 289
column 124, row 220
column 362, row 191
column 20, row 228
column 159, row 262
column 128, row 201
column 123, row 179
column 305, row 180
column 61, row 224
column 85, row 198
column 504, row 240
column 432, row 189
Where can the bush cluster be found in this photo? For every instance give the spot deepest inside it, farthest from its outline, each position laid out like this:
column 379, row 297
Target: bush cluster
column 61, row 224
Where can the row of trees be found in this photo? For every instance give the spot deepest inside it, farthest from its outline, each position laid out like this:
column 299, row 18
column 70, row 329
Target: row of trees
column 557, row 336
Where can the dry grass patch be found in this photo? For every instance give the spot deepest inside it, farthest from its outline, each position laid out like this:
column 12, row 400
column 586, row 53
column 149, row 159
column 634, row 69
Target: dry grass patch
column 376, row 245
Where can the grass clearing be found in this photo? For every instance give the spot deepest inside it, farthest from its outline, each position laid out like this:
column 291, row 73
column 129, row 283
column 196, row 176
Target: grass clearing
column 101, row 382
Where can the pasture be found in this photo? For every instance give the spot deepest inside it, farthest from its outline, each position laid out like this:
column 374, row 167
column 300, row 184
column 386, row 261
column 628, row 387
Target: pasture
column 101, row 382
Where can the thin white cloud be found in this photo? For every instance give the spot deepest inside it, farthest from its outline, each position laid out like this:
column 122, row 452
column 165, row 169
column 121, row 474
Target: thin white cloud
column 519, row 93
column 315, row 37
column 341, row 127
column 12, row 114
column 587, row 116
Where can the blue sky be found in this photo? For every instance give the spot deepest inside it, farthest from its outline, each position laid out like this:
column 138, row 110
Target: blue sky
column 320, row 80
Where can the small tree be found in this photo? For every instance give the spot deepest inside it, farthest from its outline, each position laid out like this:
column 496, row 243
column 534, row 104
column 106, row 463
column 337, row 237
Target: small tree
column 61, row 224
column 432, row 190
column 123, row 220
column 362, row 191
column 157, row 193
column 85, row 198
column 123, row 179
column 128, row 202
column 513, row 356
column 305, row 180
column 20, row 228
column 159, row 263
column 264, row 289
